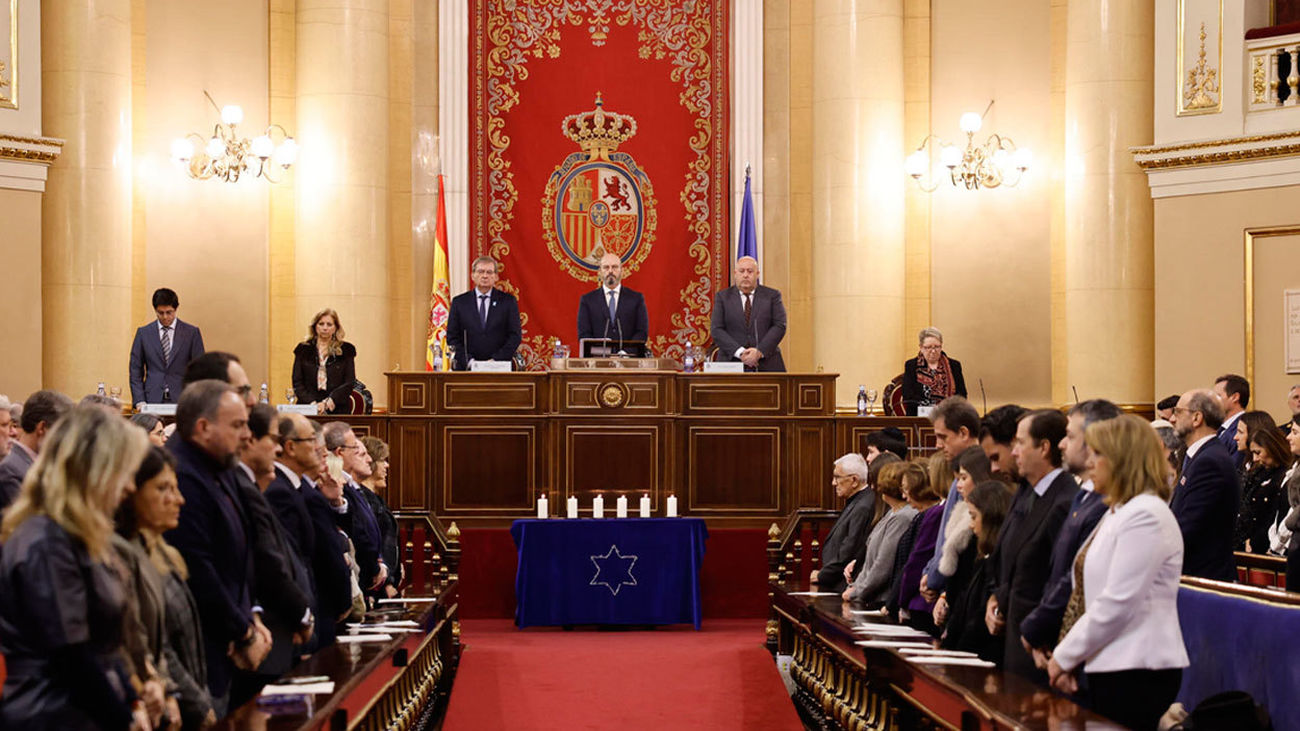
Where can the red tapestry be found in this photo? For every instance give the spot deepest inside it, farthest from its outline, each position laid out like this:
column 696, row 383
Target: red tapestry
column 601, row 126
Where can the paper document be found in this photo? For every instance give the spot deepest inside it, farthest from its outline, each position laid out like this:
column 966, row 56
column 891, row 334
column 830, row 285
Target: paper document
column 813, row 593
column 299, row 689
column 973, row 662
column 409, row 600
column 937, row 653
column 893, row 644
column 367, row 637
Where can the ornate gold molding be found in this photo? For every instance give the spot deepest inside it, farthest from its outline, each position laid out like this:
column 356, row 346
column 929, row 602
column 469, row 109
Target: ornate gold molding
column 1237, row 149
column 1198, row 88
column 1248, row 247
column 1258, row 85
column 26, row 155
column 48, row 141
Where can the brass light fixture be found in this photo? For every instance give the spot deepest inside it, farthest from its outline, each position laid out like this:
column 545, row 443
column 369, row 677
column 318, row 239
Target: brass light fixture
column 226, row 156
column 996, row 162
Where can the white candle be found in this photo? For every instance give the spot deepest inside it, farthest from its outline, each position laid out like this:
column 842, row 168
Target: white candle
column 598, row 507
column 645, row 506
column 543, row 509
column 672, row 506
column 572, row 503
column 621, row 506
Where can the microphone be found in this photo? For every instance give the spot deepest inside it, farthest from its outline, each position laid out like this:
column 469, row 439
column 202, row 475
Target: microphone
column 985, row 397
column 620, row 338
column 753, row 326
column 605, row 335
column 1076, row 394
column 167, row 394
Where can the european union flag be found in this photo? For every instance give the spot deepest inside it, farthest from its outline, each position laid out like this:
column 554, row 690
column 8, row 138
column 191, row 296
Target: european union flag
column 747, row 241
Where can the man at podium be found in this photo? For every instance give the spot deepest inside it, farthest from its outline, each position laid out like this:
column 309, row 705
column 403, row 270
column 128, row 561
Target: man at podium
column 749, row 321
column 484, row 322
column 612, row 310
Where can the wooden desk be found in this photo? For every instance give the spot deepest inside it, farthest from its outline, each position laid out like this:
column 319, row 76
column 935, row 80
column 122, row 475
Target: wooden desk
column 842, row 685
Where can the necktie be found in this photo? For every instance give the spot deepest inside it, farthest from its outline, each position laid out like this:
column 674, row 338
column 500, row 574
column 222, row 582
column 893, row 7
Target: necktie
column 749, row 308
column 482, row 309
column 613, row 307
column 167, row 345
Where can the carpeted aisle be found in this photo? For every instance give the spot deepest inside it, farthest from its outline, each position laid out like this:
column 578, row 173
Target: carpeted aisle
column 667, row 678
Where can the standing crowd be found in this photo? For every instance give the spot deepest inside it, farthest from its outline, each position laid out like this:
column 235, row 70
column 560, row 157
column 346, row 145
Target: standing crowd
column 1052, row 544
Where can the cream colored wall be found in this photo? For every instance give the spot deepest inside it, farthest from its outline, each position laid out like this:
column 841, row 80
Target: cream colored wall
column 20, row 327
column 1200, row 269
column 990, row 249
column 204, row 238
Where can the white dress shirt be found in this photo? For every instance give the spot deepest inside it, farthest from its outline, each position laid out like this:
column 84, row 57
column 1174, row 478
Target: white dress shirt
column 1130, row 590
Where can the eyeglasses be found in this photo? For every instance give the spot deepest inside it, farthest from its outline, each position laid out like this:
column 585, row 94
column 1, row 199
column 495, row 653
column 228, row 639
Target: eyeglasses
column 301, row 439
column 245, row 389
column 1184, row 408
column 840, row 477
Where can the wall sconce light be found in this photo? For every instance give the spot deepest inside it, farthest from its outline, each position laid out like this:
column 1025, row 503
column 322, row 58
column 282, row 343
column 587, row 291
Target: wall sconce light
column 996, row 162
column 225, row 155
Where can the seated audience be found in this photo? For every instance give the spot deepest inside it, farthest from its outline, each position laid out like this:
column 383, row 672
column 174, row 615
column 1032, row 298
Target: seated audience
column 6, row 426
column 1165, row 407
column 871, row 586
column 998, row 437
column 41, row 413
column 960, row 610
column 353, row 513
column 889, row 439
column 1207, row 494
column 1248, row 424
column 1040, row 630
column 931, row 376
column 1263, row 496
column 878, row 512
column 1023, row 559
column 1233, row 393
column 62, row 603
column 371, row 489
column 324, row 366
column 972, row 469
column 956, row 427
column 153, row 509
column 847, row 536
column 152, row 425
column 906, row 603
column 1286, row 536
column 1127, row 638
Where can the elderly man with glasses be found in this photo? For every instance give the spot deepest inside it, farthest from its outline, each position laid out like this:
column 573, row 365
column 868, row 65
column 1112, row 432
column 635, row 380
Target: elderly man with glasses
column 847, row 536
column 1208, row 493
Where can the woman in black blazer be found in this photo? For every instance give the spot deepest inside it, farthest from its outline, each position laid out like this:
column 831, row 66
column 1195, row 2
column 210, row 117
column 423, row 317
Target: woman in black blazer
column 931, row 376
column 324, row 366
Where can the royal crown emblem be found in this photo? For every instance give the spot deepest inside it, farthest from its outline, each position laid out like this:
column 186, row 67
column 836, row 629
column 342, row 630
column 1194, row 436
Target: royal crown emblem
column 598, row 201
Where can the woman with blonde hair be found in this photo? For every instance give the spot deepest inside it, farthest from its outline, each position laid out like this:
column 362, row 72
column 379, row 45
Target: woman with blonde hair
column 62, row 600
column 1121, row 626
column 324, row 366
column 373, row 488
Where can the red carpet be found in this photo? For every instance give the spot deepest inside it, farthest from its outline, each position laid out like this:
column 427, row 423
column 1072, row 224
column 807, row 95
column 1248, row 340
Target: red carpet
column 668, row 678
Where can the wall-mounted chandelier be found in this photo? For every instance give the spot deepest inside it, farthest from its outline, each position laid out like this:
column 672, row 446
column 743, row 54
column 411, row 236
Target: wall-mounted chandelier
column 996, row 162
column 226, row 156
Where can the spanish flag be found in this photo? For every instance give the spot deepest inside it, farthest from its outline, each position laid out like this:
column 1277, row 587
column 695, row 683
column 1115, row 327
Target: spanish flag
column 440, row 296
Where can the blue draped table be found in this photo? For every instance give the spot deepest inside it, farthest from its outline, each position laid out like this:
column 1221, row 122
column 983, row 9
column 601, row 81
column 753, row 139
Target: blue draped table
column 608, row 571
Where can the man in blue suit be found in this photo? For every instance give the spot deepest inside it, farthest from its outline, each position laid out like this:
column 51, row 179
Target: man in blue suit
column 1042, row 628
column 612, row 310
column 1234, row 395
column 352, row 513
column 484, row 322
column 161, row 351
column 1207, row 495
column 214, row 532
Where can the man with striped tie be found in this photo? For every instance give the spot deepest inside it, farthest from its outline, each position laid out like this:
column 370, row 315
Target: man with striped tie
column 161, row 351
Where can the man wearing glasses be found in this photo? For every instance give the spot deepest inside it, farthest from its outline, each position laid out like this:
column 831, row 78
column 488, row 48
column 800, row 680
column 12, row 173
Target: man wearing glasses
column 1207, row 494
column 484, row 322
column 848, row 535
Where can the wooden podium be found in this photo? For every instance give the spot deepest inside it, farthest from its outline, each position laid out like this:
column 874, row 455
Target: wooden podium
column 479, row 448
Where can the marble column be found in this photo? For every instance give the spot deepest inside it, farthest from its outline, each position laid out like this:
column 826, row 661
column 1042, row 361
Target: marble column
column 1108, row 213
column 341, row 182
column 857, row 202
column 86, row 213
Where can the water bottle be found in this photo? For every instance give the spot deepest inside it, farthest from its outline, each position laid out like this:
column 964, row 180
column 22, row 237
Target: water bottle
column 862, row 400
column 688, row 362
column 263, row 396
column 100, row 389
column 437, row 357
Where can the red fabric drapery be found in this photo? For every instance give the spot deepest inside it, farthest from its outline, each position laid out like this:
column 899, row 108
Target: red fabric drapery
column 546, row 204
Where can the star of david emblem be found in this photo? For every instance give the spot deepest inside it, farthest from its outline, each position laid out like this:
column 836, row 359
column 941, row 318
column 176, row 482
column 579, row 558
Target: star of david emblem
column 613, row 570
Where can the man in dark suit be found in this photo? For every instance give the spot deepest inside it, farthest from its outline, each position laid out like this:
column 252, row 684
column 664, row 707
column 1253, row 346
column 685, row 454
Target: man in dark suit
column 1040, row 630
column 1233, row 393
column 1022, row 561
column 307, row 519
column 484, row 322
column 612, row 310
column 214, row 532
column 849, row 534
column 749, row 321
column 352, row 512
column 41, row 412
column 1208, row 494
column 161, row 351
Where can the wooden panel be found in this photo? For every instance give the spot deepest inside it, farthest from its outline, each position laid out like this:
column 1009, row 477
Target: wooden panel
column 736, row 396
column 413, row 398
column 811, row 465
column 490, row 468
column 613, row 460
column 733, row 469
column 612, row 392
column 476, row 393
column 408, row 467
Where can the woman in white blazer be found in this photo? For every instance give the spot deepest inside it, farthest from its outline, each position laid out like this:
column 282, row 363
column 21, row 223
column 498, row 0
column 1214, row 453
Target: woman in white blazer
column 1128, row 640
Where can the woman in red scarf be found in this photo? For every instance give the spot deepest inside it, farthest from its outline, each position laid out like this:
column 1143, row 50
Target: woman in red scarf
column 931, row 376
